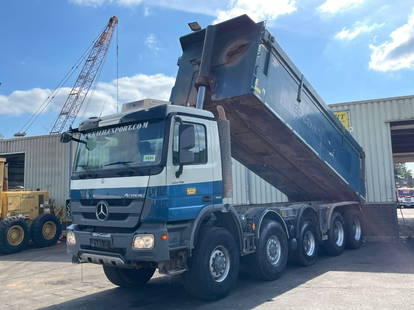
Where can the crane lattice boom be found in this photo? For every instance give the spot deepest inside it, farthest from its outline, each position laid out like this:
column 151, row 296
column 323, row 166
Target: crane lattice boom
column 84, row 82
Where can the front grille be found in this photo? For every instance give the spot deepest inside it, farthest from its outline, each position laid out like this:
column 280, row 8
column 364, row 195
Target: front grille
column 111, row 202
column 122, row 212
column 112, row 216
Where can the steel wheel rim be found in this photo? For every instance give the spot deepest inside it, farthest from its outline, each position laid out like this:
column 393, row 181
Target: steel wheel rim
column 273, row 250
column 219, row 263
column 49, row 230
column 339, row 233
column 356, row 227
column 15, row 235
column 309, row 243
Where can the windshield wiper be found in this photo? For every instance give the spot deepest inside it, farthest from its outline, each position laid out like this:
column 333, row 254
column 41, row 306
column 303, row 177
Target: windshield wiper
column 88, row 175
column 119, row 163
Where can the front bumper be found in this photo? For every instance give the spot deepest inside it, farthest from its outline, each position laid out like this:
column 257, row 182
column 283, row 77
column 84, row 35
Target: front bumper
column 118, row 249
column 406, row 203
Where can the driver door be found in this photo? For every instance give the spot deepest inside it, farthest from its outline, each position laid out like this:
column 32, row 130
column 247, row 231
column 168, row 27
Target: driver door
column 191, row 190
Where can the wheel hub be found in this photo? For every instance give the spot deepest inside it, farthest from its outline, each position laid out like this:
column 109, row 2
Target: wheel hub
column 339, row 233
column 15, row 235
column 273, row 250
column 49, row 230
column 356, row 227
column 219, row 264
column 309, row 243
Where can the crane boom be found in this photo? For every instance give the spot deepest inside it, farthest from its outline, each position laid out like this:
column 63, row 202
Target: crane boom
column 84, row 82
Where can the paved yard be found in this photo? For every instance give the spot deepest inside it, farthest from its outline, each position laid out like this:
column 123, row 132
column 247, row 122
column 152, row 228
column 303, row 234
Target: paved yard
column 378, row 276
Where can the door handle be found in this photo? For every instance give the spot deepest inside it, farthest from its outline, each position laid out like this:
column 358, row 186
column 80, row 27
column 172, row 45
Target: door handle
column 207, row 199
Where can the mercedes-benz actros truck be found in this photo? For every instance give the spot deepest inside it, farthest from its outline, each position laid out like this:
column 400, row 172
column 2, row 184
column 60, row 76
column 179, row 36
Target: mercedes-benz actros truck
column 148, row 184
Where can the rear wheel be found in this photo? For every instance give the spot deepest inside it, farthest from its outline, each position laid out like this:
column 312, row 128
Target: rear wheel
column 128, row 277
column 353, row 229
column 270, row 259
column 308, row 245
column 335, row 244
column 46, row 230
column 214, row 266
column 14, row 236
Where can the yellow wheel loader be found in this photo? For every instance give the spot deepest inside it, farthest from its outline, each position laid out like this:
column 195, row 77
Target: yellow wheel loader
column 25, row 216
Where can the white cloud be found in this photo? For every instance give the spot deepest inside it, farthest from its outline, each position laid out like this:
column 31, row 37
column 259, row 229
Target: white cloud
column 23, row 101
column 357, row 29
column 398, row 52
column 258, row 10
column 338, row 6
column 147, row 11
column 152, row 42
column 103, row 99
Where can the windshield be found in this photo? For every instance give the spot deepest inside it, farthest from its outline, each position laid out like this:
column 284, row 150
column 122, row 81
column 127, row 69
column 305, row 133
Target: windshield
column 134, row 145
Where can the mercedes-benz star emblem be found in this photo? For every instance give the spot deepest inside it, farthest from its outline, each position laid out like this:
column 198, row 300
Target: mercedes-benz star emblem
column 102, row 211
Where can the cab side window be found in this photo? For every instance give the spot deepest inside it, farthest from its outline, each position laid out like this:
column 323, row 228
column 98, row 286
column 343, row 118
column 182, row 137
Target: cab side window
column 200, row 148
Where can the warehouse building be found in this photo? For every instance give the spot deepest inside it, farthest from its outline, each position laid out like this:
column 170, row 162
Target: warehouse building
column 39, row 162
column 383, row 127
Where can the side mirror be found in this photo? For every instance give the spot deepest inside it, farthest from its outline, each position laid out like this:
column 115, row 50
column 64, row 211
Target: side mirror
column 187, row 142
column 66, row 137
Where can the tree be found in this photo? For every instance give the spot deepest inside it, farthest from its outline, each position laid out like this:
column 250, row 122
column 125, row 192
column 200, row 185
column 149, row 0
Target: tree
column 403, row 175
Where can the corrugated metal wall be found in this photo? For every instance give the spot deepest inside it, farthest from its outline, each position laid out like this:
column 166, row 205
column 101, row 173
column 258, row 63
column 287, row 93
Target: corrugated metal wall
column 370, row 123
column 250, row 188
column 46, row 164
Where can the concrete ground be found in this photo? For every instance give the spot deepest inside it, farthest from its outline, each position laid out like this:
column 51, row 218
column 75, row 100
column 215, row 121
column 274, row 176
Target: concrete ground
column 377, row 276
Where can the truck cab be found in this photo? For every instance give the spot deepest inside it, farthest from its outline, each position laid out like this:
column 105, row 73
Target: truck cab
column 139, row 170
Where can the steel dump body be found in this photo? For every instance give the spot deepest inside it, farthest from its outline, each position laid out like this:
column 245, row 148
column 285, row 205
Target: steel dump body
column 280, row 128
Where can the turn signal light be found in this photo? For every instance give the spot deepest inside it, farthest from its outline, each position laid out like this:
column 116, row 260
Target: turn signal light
column 164, row 237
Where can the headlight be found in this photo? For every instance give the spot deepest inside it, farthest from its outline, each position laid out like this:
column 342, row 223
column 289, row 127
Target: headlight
column 143, row 242
column 70, row 238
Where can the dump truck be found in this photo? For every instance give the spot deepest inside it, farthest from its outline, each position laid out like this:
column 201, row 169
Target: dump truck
column 148, row 184
column 25, row 216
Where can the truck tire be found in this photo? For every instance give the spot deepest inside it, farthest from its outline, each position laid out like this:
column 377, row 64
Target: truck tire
column 270, row 259
column 14, row 235
column 335, row 244
column 308, row 245
column 46, row 230
column 214, row 265
column 353, row 229
column 125, row 278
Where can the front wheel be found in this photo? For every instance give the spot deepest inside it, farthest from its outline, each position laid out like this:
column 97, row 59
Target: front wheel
column 214, row 266
column 125, row 278
column 270, row 259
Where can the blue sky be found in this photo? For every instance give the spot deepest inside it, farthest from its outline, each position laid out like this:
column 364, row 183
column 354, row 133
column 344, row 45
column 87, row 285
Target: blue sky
column 348, row 49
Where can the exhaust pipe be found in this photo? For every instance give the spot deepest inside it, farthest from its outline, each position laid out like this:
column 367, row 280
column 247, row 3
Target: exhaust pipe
column 225, row 147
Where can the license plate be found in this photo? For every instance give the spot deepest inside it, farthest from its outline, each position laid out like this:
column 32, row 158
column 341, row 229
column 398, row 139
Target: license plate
column 408, row 199
column 100, row 243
